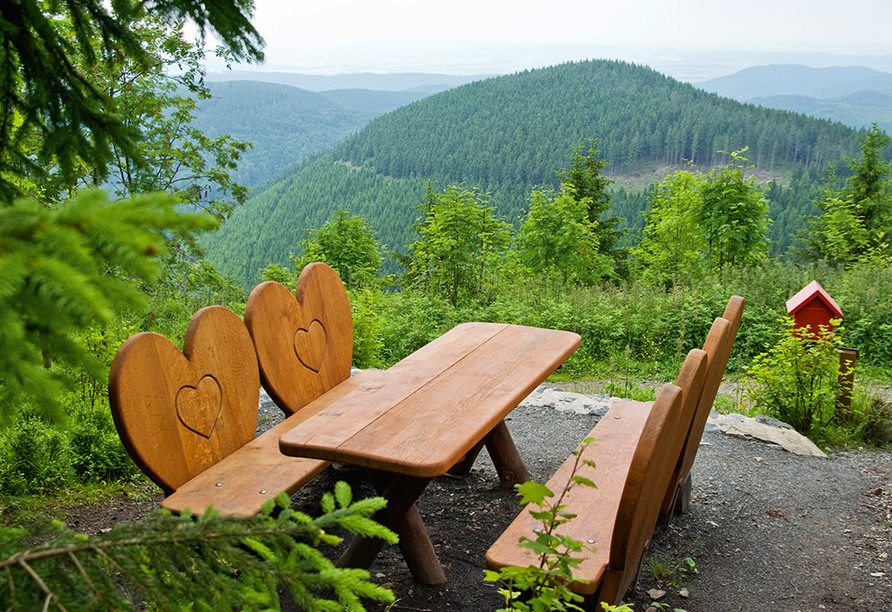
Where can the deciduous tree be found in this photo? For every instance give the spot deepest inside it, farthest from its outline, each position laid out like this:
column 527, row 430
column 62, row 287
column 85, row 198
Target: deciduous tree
column 348, row 245
column 558, row 238
column 733, row 215
column 671, row 248
column 461, row 244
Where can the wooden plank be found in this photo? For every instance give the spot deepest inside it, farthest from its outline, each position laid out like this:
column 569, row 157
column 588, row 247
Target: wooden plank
column 638, row 446
column 424, row 429
column 341, row 421
column 616, row 438
column 304, row 342
column 179, row 413
column 462, row 405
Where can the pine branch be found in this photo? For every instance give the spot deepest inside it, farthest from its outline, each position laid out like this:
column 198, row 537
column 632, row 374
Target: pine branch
column 210, row 561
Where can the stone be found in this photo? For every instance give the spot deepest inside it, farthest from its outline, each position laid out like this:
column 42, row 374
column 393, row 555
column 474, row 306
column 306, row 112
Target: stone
column 748, row 428
column 656, row 594
column 564, row 401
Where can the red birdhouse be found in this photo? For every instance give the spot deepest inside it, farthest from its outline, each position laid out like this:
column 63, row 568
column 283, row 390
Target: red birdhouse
column 813, row 307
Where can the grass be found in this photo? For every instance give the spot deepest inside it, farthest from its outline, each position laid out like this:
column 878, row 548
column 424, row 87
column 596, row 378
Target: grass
column 20, row 510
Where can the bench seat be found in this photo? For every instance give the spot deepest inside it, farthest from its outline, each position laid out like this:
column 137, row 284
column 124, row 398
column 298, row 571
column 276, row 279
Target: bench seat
column 239, row 483
column 636, row 448
column 616, row 438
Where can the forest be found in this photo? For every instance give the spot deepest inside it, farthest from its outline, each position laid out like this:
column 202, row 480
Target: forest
column 498, row 202
column 284, row 124
column 509, row 135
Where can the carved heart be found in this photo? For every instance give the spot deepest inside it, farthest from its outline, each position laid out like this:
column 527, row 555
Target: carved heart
column 303, row 340
column 199, row 407
column 310, row 343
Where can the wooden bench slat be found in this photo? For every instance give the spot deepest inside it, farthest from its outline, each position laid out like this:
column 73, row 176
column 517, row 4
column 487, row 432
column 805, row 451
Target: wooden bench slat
column 637, row 447
column 616, row 439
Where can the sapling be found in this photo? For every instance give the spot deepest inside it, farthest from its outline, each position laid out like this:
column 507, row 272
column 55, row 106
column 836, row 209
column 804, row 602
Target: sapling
column 544, row 587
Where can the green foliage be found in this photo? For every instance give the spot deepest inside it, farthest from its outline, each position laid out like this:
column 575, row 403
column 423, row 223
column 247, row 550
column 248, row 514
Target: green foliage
column 732, row 214
column 461, row 245
column 367, row 324
column 544, row 587
column 671, row 248
column 631, row 391
column 159, row 101
column 664, row 572
column 34, row 456
column 54, row 116
column 346, row 244
column 507, row 136
column 856, row 221
column 585, row 182
column 558, row 238
column 66, row 269
column 797, row 380
column 95, row 448
column 286, row 125
column 207, row 562
column 40, row 457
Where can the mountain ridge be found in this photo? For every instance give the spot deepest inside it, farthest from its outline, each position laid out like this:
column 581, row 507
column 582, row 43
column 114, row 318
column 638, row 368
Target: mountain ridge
column 507, row 135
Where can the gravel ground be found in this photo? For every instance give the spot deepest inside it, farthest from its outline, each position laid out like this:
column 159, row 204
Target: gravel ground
column 767, row 530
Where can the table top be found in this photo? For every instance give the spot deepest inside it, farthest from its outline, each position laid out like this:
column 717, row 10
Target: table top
column 423, row 414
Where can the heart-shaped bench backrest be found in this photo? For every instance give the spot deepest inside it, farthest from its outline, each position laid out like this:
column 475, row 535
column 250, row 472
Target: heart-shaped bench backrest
column 304, row 341
column 179, row 413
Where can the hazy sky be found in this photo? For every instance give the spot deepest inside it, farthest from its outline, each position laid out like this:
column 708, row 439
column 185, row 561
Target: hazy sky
column 333, row 35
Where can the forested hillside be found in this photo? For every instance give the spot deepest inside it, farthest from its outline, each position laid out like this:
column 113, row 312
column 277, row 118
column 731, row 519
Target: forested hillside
column 506, row 135
column 287, row 124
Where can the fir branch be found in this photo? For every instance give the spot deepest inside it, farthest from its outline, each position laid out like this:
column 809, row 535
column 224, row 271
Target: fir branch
column 211, row 561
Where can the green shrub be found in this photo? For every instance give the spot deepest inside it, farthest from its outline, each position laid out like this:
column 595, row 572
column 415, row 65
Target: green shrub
column 96, row 451
column 34, row 457
column 797, row 380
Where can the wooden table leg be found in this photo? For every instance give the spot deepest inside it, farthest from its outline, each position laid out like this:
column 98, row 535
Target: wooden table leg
column 504, row 455
column 463, row 467
column 401, row 516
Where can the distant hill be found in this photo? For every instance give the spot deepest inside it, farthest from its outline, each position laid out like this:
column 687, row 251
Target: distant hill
column 287, row 124
column 853, row 95
column 791, row 79
column 507, row 135
column 402, row 81
column 856, row 110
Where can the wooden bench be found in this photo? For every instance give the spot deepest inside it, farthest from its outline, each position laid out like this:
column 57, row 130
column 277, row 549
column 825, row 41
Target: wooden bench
column 188, row 419
column 643, row 453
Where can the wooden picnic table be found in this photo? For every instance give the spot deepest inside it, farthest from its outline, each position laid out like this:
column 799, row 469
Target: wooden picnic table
column 425, row 414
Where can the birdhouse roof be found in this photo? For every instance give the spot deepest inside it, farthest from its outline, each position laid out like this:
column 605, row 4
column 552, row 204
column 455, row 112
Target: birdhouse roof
column 813, row 291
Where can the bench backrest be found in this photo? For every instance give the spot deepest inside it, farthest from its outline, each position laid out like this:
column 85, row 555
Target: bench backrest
column 178, row 413
column 304, row 341
column 718, row 345
column 656, row 455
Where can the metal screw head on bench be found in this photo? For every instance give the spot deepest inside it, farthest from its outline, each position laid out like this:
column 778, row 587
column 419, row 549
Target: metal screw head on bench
column 219, row 484
column 263, row 492
column 616, row 416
